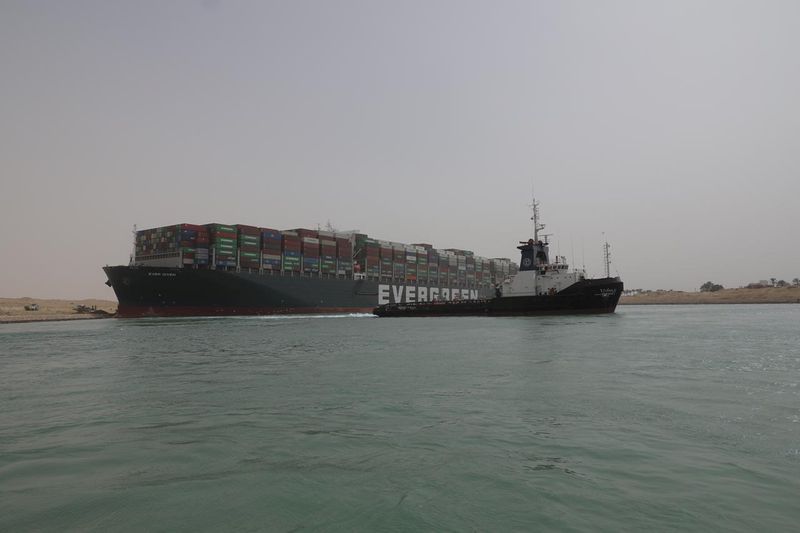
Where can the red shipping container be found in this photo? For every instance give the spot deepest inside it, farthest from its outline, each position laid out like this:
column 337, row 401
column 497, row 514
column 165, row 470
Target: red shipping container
column 248, row 230
column 303, row 232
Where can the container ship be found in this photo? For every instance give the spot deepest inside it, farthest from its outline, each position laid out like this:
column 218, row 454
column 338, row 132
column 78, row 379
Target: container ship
column 218, row 269
column 541, row 287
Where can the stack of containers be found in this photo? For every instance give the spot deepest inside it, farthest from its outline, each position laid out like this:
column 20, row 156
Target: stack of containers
column 325, row 240
column 310, row 249
column 157, row 242
column 187, row 244
column 222, row 239
column 462, row 268
column 398, row 261
column 371, row 260
column 193, row 243
column 411, row 263
column 444, row 267
column 292, row 252
column 470, row 270
column 271, row 249
column 500, row 268
column 479, row 270
column 327, row 248
column 512, row 268
column 386, row 260
column 433, row 266
column 487, row 277
column 452, row 259
column 201, row 245
column 249, row 240
column 360, row 251
column 344, row 255
column 422, row 264
column 360, row 240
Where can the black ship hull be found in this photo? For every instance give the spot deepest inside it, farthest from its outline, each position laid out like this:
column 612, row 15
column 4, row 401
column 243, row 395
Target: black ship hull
column 164, row 291
column 588, row 296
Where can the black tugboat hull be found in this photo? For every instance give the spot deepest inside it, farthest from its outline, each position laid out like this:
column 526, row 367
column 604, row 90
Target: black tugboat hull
column 584, row 297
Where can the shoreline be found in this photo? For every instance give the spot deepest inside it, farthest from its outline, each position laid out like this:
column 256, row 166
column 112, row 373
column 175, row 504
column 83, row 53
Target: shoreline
column 763, row 295
column 68, row 318
column 621, row 302
column 12, row 310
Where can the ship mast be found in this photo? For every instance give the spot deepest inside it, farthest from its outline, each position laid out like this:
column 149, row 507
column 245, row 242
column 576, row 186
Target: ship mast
column 534, row 205
column 607, row 258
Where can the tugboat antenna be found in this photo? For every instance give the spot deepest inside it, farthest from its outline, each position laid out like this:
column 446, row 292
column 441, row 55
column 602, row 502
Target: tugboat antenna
column 534, row 205
column 607, row 256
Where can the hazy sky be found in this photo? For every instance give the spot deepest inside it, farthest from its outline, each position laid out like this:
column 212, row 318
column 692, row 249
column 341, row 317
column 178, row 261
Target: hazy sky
column 673, row 127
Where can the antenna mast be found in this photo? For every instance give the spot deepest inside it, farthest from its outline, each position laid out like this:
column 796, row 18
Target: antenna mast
column 534, row 205
column 607, row 257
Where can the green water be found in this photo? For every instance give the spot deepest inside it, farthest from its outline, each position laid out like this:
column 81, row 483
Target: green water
column 666, row 418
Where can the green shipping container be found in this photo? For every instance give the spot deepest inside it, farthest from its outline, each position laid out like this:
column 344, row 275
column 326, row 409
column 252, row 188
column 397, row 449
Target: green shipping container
column 222, row 227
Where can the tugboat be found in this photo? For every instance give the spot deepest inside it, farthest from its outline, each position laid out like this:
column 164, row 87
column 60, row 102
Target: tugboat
column 541, row 287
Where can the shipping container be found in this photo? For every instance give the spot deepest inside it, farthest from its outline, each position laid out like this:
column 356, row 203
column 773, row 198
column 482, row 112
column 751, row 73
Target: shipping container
column 342, row 253
column 243, row 229
column 220, row 228
column 303, row 232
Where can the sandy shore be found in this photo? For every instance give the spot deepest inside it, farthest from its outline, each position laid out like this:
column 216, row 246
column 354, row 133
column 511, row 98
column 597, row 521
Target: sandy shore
column 13, row 309
column 769, row 295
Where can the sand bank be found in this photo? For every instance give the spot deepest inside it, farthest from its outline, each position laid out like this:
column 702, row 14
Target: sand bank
column 768, row 295
column 12, row 310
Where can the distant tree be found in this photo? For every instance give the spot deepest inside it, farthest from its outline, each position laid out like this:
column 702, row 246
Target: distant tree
column 796, row 282
column 710, row 286
column 773, row 281
column 782, row 283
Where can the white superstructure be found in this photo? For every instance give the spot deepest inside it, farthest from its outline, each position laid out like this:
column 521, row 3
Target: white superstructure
column 537, row 274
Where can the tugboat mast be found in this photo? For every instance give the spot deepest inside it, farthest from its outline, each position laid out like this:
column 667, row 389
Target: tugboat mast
column 534, row 205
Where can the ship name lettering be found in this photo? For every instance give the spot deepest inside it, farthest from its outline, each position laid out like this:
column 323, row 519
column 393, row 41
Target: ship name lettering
column 398, row 294
column 422, row 294
column 383, row 294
